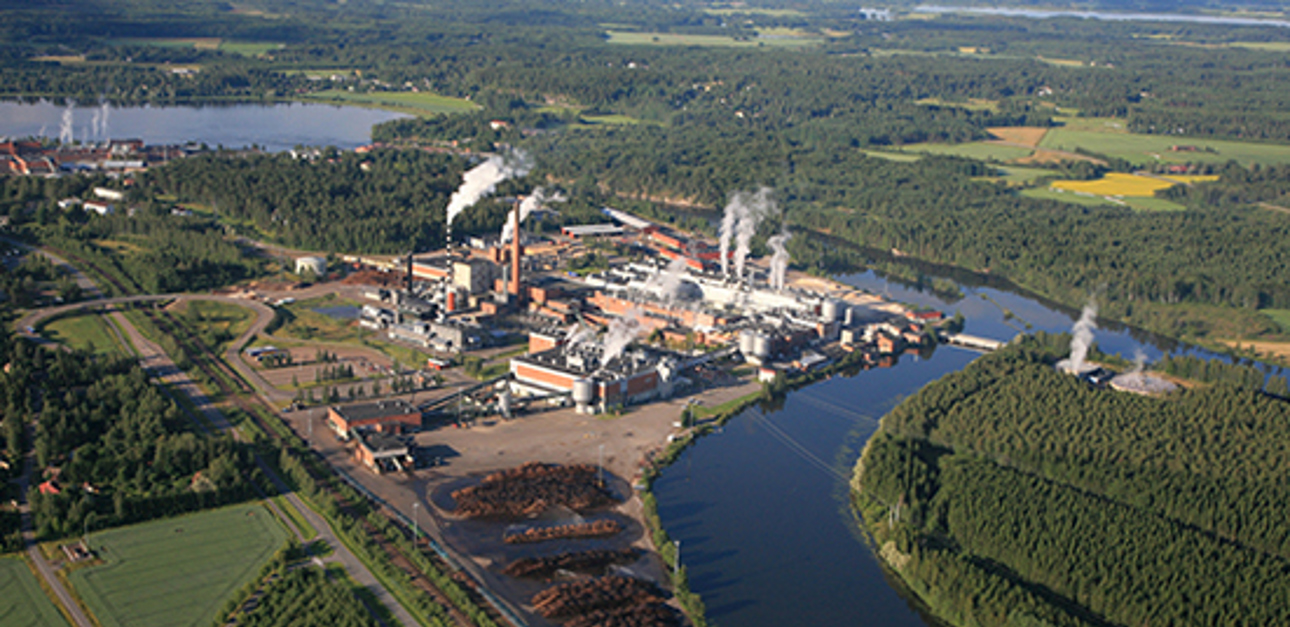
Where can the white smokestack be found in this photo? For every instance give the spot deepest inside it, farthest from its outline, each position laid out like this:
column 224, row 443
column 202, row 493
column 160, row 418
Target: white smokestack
column 779, row 260
column 622, row 331
column 753, row 208
column 531, row 203
column 482, row 179
column 1082, row 335
column 65, row 130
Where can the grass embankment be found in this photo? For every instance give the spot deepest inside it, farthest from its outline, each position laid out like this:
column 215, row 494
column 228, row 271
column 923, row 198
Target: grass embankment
column 85, row 331
column 23, row 603
column 201, row 558
column 411, row 102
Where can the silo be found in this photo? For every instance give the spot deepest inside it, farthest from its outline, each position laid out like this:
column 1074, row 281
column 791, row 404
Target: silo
column 829, row 310
column 746, row 342
column 584, row 392
column 761, row 346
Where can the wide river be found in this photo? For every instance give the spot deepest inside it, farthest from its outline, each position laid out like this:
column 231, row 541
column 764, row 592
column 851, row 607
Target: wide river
column 272, row 127
column 761, row 508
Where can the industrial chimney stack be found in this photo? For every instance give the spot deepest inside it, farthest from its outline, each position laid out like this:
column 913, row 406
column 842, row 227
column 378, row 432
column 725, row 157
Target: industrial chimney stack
column 516, row 251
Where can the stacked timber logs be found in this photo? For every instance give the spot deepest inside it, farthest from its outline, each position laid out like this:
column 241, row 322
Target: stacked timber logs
column 604, row 593
column 586, row 562
column 531, row 489
column 640, row 615
column 593, row 529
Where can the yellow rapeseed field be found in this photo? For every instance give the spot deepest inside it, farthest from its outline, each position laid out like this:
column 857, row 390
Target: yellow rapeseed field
column 1115, row 184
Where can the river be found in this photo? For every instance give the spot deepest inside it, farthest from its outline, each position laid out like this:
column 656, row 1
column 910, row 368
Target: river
column 272, row 127
column 761, row 508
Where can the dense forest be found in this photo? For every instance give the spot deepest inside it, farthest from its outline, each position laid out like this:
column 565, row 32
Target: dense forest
column 1010, row 489
column 307, row 596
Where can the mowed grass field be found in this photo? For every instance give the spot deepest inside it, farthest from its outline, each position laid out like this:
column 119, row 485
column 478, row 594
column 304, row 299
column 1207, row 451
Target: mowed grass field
column 22, row 602
column 1149, row 149
column 84, row 331
column 180, row 571
column 417, row 103
column 982, row 151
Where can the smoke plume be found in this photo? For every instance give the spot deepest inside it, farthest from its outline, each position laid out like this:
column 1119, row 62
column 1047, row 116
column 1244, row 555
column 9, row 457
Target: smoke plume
column 1139, row 360
column 728, row 222
column 578, row 334
column 1082, row 335
column 779, row 260
column 94, row 123
column 482, row 180
column 537, row 200
column 667, row 282
column 65, row 131
column 105, row 110
column 621, row 332
column 753, row 208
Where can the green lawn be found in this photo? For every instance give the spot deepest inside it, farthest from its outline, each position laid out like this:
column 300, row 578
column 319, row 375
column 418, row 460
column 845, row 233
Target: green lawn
column 898, row 157
column 1014, row 175
column 248, row 48
column 417, row 103
column 1151, row 203
column 83, row 330
column 1070, row 197
column 22, row 602
column 216, row 319
column 1279, row 316
column 1149, row 149
column 973, row 150
column 179, row 571
column 615, row 118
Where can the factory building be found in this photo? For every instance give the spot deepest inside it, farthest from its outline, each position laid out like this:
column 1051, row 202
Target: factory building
column 385, row 416
column 635, row 376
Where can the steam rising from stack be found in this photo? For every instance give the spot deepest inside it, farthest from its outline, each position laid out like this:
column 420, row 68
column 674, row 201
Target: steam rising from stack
column 621, row 332
column 667, row 283
column 483, row 179
column 744, row 212
column 1082, row 337
column 779, row 260
column 531, row 203
column 578, row 334
column 99, row 122
column 65, row 132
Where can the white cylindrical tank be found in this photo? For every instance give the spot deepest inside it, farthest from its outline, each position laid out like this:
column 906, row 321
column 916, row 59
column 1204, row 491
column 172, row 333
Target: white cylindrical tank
column 761, row 346
column 315, row 265
column 849, row 316
column 746, row 342
column 584, row 391
column 829, row 310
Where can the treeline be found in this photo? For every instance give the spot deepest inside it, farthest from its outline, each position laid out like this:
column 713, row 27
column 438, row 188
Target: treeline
column 306, row 596
column 1012, row 489
column 114, row 449
column 1237, row 186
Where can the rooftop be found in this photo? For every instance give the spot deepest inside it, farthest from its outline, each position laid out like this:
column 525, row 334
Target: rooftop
column 374, row 410
column 583, row 360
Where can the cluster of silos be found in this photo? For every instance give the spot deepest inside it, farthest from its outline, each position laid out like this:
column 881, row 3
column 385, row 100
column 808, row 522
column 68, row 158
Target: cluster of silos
column 754, row 345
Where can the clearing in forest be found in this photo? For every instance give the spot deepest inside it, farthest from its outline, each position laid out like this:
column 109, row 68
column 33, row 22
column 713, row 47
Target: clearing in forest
column 1116, row 184
column 1023, row 135
column 179, row 571
column 22, row 602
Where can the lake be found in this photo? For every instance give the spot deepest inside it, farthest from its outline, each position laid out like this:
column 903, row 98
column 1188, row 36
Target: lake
column 272, row 127
column 1103, row 15
column 762, row 508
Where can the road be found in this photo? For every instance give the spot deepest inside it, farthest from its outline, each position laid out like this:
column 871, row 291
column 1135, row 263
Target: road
column 159, row 365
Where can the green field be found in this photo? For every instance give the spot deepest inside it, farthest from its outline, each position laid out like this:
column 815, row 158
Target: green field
column 614, row 118
column 1149, row 149
column 179, row 571
column 22, row 602
column 974, row 104
column 1014, row 175
column 1150, row 203
column 416, row 103
column 1070, row 197
column 1279, row 316
column 83, row 331
column 973, row 150
column 898, row 157
column 225, row 322
column 708, row 41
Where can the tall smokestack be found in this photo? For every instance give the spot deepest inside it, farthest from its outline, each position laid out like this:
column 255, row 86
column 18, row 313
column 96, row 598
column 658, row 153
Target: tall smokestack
column 516, row 251
column 410, row 253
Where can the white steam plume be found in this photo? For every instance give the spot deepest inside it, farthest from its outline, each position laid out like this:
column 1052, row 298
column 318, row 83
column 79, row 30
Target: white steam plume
column 1082, row 335
column 779, row 260
column 106, row 110
column 1139, row 360
column 531, row 203
column 667, row 282
column 504, row 403
column 577, row 334
column 728, row 222
column 482, row 179
column 94, row 123
column 65, row 130
column 753, row 208
column 621, row 332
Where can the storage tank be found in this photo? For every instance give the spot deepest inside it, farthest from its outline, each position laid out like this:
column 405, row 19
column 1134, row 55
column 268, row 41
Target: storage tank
column 746, row 342
column 584, row 392
column 829, row 310
column 761, row 346
column 848, row 316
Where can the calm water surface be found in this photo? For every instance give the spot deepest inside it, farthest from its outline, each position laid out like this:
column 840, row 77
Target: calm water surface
column 273, row 127
column 1112, row 17
column 761, row 508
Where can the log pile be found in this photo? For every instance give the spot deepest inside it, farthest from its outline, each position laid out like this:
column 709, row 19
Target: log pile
column 651, row 614
column 581, row 598
column 586, row 562
column 531, row 489
column 592, row 529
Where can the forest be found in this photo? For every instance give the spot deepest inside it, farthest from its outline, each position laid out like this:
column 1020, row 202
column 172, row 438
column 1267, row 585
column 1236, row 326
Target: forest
column 1011, row 489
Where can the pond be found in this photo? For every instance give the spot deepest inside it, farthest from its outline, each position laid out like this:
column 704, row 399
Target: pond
column 272, row 127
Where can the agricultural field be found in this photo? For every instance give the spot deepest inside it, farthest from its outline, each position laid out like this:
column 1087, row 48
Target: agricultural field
column 981, row 151
column 415, row 103
column 244, row 48
column 614, row 118
column 898, row 157
column 1151, row 149
column 85, row 331
column 1017, row 176
column 972, row 104
column 1047, row 193
column 1023, row 135
column 1190, row 179
column 179, row 571
column 708, row 41
column 1116, row 184
column 22, row 601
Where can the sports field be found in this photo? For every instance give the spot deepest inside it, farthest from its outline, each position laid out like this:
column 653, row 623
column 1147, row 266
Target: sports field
column 179, row 571
column 419, row 103
column 22, row 602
